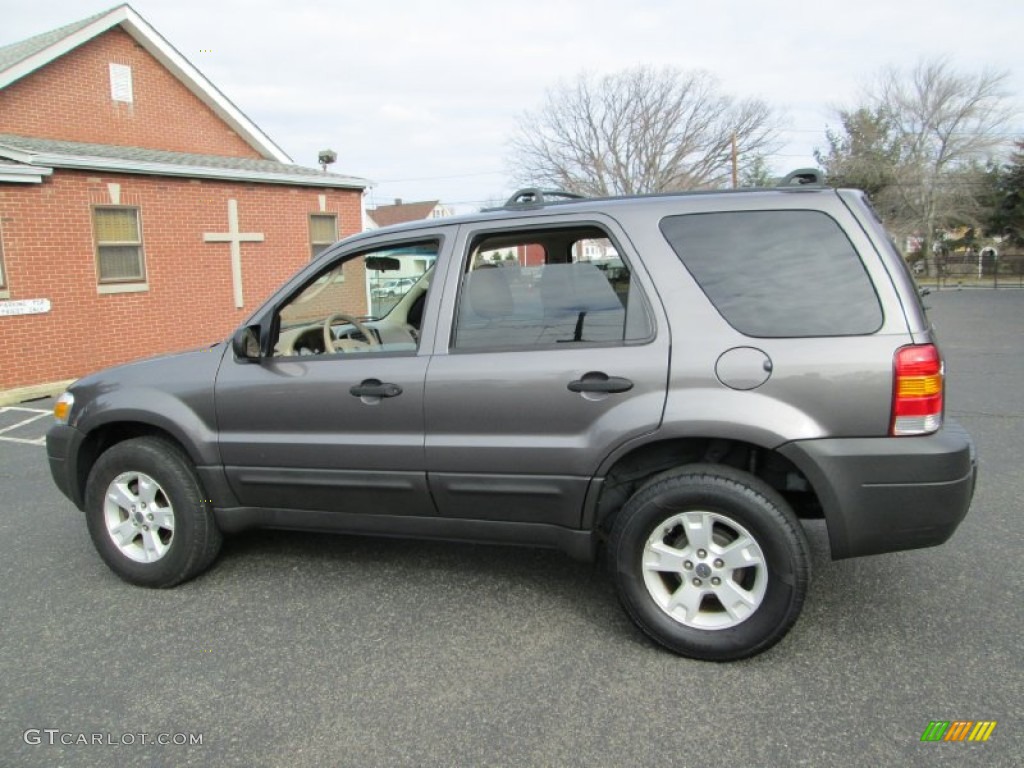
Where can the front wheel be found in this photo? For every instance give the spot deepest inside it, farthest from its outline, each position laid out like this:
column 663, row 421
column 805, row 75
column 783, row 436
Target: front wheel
column 148, row 516
column 710, row 562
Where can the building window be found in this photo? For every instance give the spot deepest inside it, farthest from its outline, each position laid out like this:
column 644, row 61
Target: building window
column 121, row 83
column 323, row 232
column 119, row 256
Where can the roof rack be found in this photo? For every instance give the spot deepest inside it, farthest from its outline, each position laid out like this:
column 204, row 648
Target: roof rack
column 803, row 177
column 535, row 197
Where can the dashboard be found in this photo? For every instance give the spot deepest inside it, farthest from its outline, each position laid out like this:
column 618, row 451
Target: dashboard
column 398, row 331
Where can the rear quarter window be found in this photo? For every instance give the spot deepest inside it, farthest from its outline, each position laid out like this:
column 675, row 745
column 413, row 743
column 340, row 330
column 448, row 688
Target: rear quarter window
column 777, row 273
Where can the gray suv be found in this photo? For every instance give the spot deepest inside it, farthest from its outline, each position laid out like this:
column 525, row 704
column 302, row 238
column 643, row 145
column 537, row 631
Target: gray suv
column 674, row 381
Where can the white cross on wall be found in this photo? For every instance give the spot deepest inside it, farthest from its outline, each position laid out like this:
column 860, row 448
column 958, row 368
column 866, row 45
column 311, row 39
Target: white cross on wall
column 235, row 238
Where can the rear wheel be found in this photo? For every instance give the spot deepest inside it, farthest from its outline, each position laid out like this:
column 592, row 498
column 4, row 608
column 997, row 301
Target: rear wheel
column 148, row 515
column 710, row 562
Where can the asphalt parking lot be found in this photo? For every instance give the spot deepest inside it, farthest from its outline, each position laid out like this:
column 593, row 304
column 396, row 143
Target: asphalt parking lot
column 305, row 650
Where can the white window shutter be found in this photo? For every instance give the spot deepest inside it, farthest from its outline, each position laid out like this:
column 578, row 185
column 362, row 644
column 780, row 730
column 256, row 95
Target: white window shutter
column 121, row 83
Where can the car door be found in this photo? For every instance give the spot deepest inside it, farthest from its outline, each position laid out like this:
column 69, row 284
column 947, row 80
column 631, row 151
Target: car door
column 546, row 361
column 334, row 422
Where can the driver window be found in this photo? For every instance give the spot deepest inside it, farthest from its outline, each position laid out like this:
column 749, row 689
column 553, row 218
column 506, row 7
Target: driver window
column 368, row 303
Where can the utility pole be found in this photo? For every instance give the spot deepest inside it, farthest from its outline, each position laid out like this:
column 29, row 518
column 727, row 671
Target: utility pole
column 735, row 164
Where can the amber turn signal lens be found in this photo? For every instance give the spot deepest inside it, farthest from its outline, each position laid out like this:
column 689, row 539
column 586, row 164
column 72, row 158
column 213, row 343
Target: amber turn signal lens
column 62, row 408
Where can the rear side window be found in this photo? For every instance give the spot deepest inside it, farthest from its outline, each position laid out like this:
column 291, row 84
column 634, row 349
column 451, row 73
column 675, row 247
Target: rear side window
column 777, row 273
column 545, row 288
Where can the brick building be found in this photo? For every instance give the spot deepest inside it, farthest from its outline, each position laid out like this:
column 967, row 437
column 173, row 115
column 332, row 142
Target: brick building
column 141, row 212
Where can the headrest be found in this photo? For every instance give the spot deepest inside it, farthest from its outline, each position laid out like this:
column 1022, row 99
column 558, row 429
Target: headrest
column 573, row 288
column 489, row 294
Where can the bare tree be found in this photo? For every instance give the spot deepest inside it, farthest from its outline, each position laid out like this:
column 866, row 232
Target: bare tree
column 640, row 130
column 922, row 139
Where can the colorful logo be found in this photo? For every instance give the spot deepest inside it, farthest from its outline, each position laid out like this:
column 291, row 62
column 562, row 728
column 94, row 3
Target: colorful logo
column 958, row 730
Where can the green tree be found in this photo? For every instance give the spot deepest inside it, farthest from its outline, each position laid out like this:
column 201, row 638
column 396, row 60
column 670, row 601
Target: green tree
column 757, row 174
column 863, row 153
column 1007, row 217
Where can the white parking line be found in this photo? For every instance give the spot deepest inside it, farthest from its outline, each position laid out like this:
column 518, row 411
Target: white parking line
column 38, row 415
column 37, row 441
column 29, row 420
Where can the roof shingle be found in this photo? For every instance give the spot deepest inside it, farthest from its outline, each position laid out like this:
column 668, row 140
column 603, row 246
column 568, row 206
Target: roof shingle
column 106, row 156
column 386, row 215
column 23, row 49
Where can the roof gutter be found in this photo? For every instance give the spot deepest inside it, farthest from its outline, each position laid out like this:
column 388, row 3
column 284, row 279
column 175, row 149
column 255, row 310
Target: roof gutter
column 115, row 165
column 23, row 174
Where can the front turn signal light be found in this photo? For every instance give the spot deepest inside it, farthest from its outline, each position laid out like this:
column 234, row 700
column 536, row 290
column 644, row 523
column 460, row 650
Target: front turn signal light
column 62, row 408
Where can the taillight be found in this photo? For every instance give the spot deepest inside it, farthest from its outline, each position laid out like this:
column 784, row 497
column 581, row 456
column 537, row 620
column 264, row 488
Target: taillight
column 918, row 374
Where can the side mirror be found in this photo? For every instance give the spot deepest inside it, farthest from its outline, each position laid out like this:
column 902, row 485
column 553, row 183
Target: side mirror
column 246, row 343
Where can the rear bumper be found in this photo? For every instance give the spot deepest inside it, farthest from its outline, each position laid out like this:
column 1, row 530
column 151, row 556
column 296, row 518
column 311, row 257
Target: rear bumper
column 893, row 493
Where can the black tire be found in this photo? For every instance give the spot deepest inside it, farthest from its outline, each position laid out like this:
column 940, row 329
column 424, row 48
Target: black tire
column 736, row 502
column 189, row 547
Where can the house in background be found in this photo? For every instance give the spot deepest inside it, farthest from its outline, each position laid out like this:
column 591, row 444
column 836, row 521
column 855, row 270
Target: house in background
column 384, row 285
column 141, row 211
column 400, row 213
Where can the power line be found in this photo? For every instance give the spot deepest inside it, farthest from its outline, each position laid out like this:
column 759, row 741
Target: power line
column 442, row 178
column 505, row 174
column 1011, row 135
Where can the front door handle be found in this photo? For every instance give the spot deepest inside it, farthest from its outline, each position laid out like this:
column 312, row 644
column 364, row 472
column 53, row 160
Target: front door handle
column 375, row 388
column 596, row 381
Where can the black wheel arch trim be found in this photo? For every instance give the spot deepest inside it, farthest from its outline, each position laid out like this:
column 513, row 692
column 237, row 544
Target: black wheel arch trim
column 889, row 494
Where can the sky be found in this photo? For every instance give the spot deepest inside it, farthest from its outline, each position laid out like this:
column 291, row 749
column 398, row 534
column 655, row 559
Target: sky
column 422, row 98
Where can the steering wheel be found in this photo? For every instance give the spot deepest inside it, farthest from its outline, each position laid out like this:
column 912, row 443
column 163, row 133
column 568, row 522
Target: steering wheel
column 370, row 336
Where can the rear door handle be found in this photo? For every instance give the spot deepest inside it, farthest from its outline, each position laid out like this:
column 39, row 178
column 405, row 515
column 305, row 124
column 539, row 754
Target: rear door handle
column 597, row 381
column 375, row 388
